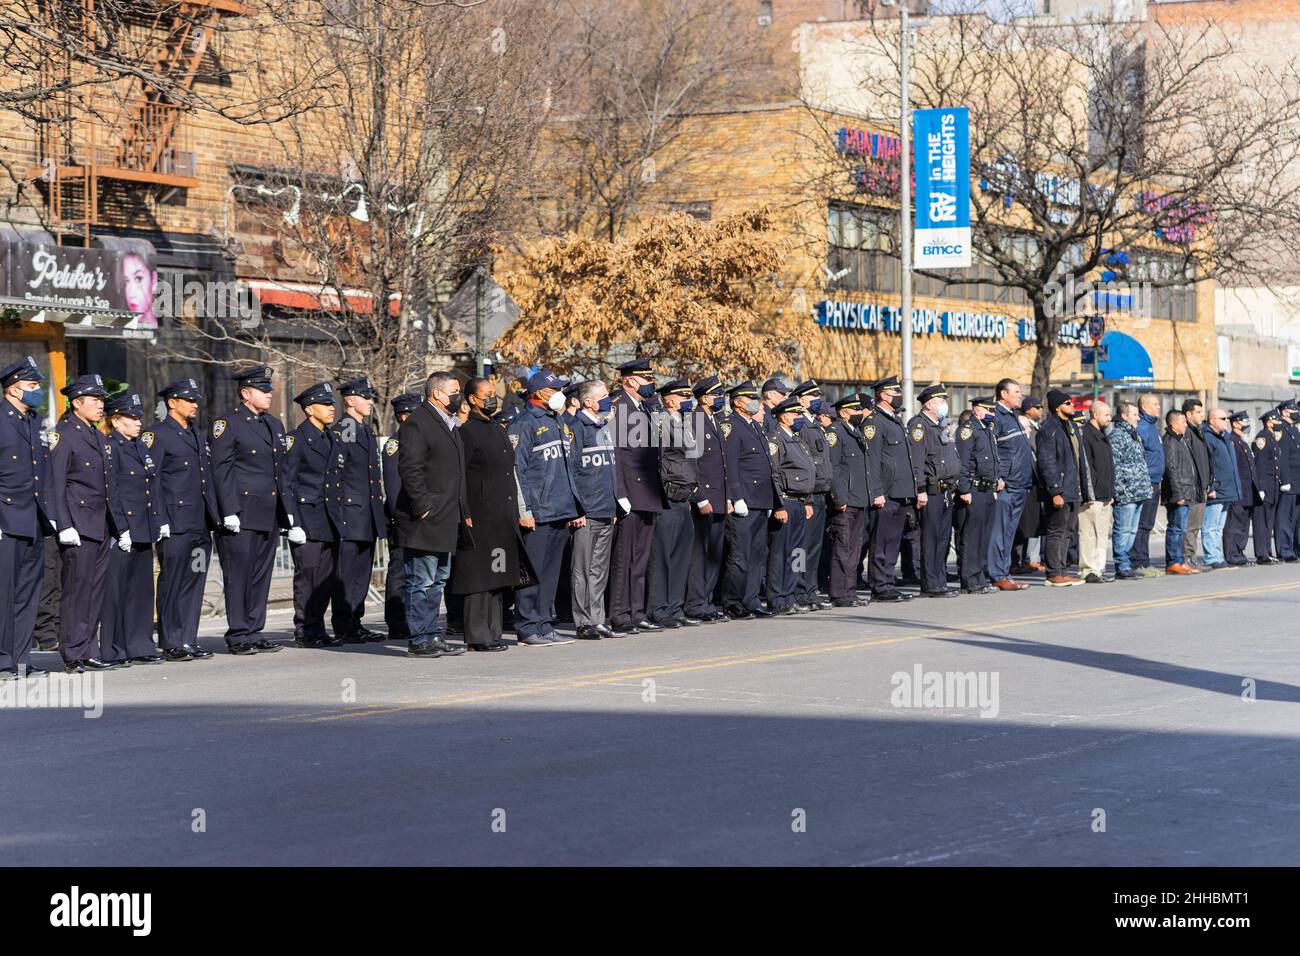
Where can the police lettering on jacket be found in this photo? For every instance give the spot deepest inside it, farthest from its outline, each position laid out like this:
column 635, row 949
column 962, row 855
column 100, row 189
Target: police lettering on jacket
column 543, row 444
column 593, row 466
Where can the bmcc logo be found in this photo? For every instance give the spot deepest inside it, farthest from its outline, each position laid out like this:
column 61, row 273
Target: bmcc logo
column 943, row 249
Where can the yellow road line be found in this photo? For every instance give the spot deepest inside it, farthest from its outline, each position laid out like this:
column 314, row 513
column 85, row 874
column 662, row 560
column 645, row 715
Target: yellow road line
column 734, row 660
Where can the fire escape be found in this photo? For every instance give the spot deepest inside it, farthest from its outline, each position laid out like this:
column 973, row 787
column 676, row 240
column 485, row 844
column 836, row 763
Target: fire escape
column 102, row 145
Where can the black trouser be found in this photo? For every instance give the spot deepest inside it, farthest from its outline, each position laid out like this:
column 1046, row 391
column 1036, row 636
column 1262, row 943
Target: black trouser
column 127, row 628
column 22, row 566
column 936, row 536
column 1261, row 526
column 1285, row 526
column 909, row 551
column 563, row 609
column 707, row 549
column 786, row 555
column 483, row 616
column 1062, row 525
column 47, row 610
column 394, row 598
column 671, row 564
column 633, row 536
column 247, row 560
column 355, row 565
column 746, row 559
column 544, row 546
column 1140, row 554
column 1236, row 532
column 85, row 569
column 886, row 538
column 814, row 535
column 183, row 560
column 974, row 524
column 845, row 548
column 314, row 566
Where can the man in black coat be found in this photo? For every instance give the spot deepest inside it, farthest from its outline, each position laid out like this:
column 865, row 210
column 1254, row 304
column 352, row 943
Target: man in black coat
column 1241, row 513
column 709, row 509
column 847, row 502
column 1194, row 412
column 897, row 480
column 1263, row 522
column 1062, row 469
column 431, row 510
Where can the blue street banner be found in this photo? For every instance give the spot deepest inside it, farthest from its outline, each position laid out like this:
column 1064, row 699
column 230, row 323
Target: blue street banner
column 942, row 138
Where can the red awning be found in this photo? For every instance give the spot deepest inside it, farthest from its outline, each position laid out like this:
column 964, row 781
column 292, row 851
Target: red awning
column 316, row 298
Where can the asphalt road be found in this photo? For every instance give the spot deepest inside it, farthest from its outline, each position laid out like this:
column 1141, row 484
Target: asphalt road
column 770, row 742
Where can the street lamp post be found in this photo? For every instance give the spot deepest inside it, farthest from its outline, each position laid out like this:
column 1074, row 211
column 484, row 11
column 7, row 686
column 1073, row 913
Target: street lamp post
column 905, row 211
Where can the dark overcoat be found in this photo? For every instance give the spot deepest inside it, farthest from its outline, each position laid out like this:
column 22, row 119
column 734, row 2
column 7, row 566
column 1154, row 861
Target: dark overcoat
column 490, row 492
column 431, row 505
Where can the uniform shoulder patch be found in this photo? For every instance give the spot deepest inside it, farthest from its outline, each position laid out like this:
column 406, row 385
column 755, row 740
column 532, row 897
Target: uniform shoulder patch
column 54, row 440
column 1261, row 442
column 965, row 432
column 146, row 439
column 832, row 438
column 771, row 448
column 390, row 447
column 725, row 428
column 918, row 434
column 288, row 442
column 869, row 431
column 514, row 439
column 218, row 428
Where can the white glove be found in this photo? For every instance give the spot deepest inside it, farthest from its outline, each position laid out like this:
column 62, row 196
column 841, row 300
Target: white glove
column 740, row 508
column 297, row 536
column 1286, row 487
column 164, row 532
column 1262, row 496
column 231, row 523
column 625, row 505
column 124, row 541
column 70, row 536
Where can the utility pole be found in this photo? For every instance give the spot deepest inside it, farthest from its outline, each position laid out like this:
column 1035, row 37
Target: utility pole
column 905, row 211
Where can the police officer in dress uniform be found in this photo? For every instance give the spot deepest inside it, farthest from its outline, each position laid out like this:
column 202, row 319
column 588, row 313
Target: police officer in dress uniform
column 674, row 532
column 394, row 582
column 81, row 476
column 248, row 448
column 1288, row 512
column 311, row 477
column 814, row 439
column 359, row 510
column 1236, row 532
column 795, row 476
column 25, row 515
column 752, row 495
column 976, row 491
column 186, row 502
column 848, row 501
column 709, row 509
column 897, row 482
column 937, row 447
column 126, row 633
column 543, row 443
column 1263, row 518
column 639, row 496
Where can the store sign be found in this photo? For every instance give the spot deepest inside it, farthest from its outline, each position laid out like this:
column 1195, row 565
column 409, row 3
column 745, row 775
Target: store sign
column 943, row 231
column 1178, row 220
column 69, row 279
column 1070, row 333
column 872, row 317
column 880, row 171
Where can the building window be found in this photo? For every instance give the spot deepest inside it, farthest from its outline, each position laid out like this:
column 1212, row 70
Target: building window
column 765, row 13
column 862, row 257
column 701, row 209
column 1173, row 303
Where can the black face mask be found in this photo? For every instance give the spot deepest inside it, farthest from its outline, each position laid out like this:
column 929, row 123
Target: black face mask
column 453, row 403
column 490, row 405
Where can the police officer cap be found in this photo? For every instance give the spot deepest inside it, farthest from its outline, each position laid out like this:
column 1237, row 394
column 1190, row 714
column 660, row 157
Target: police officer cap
column 571, row 389
column 259, row 377
column 1288, row 406
column 776, row 384
column 984, row 401
column 886, row 383
column 322, row 393
column 543, row 379
column 707, row 385
column 1241, row 416
column 790, row 404
column 507, row 415
column 127, row 403
column 406, row 402
column 866, row 400
column 85, row 385
column 636, row 367
column 851, row 402
column 804, row 388
column 358, row 386
column 24, row 370
column 1270, row 416
column 933, row 391
column 186, row 388
column 745, row 389
column 1029, row 401
column 678, row 386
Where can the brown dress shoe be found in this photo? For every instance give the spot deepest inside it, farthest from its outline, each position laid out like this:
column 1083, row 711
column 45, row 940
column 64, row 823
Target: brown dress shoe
column 1064, row 581
column 1178, row 569
column 1006, row 584
column 1023, row 569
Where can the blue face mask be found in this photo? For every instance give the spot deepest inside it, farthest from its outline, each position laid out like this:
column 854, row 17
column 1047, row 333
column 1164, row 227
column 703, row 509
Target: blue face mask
column 815, row 406
column 604, row 405
column 33, row 398
column 719, row 403
column 797, row 424
column 686, row 406
column 647, row 390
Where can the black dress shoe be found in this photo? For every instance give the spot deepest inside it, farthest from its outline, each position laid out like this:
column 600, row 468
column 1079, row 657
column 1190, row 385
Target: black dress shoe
column 147, row 659
column 647, row 626
column 242, row 648
column 785, row 610
column 945, row 593
column 265, row 646
column 689, row 621
column 448, row 650
column 95, row 664
column 426, row 649
column 490, row 646
column 822, row 605
column 760, row 612
column 670, row 624
column 72, row 667
column 198, row 653
column 587, row 632
column 983, row 589
column 309, row 642
column 1266, row 560
column 741, row 614
column 612, row 632
column 371, row 637
column 177, row 654
column 892, row 597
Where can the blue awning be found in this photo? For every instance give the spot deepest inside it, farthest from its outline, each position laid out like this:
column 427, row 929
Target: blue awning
column 1127, row 361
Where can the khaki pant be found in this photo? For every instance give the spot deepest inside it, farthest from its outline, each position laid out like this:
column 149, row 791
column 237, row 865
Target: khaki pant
column 1094, row 537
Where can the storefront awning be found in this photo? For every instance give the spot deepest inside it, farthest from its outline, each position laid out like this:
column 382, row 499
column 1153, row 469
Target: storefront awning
column 1126, row 361
column 316, row 298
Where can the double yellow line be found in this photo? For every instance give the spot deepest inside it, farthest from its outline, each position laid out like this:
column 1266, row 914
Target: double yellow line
column 735, row 660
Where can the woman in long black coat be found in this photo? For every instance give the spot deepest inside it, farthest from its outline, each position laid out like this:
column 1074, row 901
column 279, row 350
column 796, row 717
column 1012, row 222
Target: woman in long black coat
column 488, row 570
